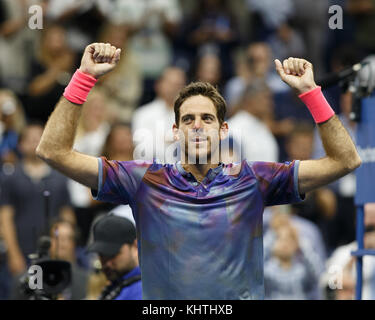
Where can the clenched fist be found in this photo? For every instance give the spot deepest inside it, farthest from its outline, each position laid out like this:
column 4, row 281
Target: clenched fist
column 297, row 73
column 99, row 58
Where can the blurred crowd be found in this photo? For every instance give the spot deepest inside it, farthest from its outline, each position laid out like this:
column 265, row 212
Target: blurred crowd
column 165, row 45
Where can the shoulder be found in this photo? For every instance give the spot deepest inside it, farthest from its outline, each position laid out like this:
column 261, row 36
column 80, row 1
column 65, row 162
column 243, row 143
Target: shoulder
column 148, row 108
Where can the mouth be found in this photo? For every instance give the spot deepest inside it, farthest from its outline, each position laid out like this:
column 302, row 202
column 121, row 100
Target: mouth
column 199, row 140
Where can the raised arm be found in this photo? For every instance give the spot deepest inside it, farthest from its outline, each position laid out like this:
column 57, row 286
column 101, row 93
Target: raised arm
column 341, row 155
column 56, row 144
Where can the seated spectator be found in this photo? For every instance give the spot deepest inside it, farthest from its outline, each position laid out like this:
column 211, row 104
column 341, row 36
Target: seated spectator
column 255, row 65
column 153, row 26
column 209, row 70
column 22, row 203
column 152, row 123
column 17, row 43
column 340, row 274
column 291, row 268
column 11, row 123
column 267, row 16
column 212, row 28
column 64, row 239
column 123, row 86
column 119, row 143
column 250, row 122
column 116, row 244
column 50, row 73
column 287, row 42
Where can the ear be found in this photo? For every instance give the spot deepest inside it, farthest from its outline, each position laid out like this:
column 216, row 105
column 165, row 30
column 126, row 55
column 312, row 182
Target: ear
column 175, row 132
column 224, row 130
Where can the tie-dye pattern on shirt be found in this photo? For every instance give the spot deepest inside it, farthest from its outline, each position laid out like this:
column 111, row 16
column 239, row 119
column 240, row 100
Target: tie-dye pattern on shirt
column 199, row 241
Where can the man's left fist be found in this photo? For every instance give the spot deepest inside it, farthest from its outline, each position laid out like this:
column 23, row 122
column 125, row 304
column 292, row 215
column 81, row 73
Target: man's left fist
column 297, row 73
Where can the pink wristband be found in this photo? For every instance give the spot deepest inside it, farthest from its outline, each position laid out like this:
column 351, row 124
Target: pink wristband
column 317, row 105
column 79, row 87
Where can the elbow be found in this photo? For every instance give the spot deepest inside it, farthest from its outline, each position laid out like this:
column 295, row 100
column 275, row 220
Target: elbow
column 42, row 153
column 353, row 164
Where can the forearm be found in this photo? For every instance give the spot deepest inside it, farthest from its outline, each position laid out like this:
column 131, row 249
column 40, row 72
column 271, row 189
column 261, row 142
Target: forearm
column 339, row 146
column 58, row 136
column 44, row 82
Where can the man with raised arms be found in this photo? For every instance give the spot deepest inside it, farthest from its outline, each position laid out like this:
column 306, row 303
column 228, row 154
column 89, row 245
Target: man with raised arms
column 199, row 221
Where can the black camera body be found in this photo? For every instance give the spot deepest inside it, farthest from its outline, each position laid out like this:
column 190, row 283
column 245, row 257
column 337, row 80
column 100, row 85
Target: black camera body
column 56, row 275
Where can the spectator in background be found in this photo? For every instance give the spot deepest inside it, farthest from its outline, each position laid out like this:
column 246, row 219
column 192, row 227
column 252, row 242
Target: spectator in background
column 64, row 236
column 208, row 69
column 17, row 43
column 320, row 206
column 250, row 121
column 81, row 20
column 116, row 244
column 123, row 87
column 119, row 143
column 156, row 119
column 211, row 29
column 153, row 26
column 50, row 73
column 23, row 210
column 363, row 12
column 310, row 18
column 91, row 133
column 286, row 42
column 255, row 65
column 64, row 239
column 342, row 264
column 267, row 16
column 12, row 121
column 292, row 267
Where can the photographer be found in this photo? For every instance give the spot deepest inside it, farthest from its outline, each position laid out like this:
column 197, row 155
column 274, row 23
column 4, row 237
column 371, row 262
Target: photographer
column 116, row 244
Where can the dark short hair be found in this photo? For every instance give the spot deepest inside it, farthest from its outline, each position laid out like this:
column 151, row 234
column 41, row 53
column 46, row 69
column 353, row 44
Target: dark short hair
column 204, row 89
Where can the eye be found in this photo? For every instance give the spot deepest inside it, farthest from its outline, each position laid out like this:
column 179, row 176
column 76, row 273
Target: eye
column 187, row 119
column 208, row 118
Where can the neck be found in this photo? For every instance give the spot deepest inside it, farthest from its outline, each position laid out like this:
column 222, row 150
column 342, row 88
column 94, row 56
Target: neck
column 122, row 156
column 33, row 161
column 199, row 171
column 285, row 263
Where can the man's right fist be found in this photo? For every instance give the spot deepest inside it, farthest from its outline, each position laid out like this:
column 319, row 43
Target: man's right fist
column 99, row 58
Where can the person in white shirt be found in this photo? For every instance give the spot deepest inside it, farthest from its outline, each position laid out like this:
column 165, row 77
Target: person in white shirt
column 249, row 125
column 152, row 123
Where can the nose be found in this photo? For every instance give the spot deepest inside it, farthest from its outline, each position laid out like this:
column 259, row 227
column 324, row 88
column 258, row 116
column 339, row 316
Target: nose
column 197, row 123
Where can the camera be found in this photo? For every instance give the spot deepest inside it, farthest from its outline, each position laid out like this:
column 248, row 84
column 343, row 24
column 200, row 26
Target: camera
column 55, row 276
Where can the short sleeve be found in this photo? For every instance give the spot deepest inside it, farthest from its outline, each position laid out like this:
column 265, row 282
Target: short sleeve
column 118, row 181
column 278, row 182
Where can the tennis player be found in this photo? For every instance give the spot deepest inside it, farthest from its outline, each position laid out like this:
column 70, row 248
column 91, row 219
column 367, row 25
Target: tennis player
column 199, row 221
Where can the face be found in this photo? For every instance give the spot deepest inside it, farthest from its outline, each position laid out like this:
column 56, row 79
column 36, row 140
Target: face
column 286, row 244
column 171, row 83
column 260, row 57
column 30, row 140
column 121, row 140
column 62, row 242
column 55, row 39
column 259, row 103
column 120, row 264
column 209, row 69
column 300, row 146
column 199, row 131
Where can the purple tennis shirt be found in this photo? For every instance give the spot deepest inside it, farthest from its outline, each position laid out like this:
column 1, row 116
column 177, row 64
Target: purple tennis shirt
column 199, row 240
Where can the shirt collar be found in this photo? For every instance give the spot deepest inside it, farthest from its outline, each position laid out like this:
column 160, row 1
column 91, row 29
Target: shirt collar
column 132, row 273
column 211, row 174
